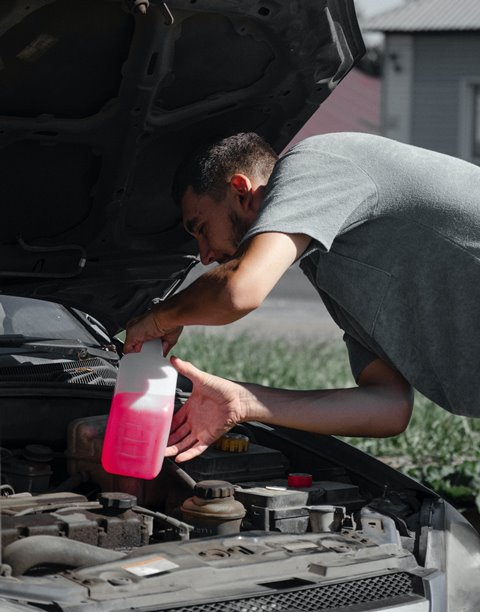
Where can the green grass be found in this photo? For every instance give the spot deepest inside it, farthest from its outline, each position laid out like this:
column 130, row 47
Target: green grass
column 438, row 449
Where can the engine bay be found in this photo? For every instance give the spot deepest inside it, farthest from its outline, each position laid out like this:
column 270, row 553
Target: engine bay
column 264, row 516
column 255, row 479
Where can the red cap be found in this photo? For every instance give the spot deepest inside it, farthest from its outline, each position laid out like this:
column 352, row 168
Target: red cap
column 300, row 480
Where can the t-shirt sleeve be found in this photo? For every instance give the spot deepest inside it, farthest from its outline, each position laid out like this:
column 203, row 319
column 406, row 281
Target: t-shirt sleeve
column 314, row 192
column 358, row 355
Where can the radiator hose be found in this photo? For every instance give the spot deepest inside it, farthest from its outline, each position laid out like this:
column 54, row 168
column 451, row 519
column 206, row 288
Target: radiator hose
column 26, row 553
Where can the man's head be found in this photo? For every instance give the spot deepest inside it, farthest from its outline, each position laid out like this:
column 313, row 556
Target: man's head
column 219, row 189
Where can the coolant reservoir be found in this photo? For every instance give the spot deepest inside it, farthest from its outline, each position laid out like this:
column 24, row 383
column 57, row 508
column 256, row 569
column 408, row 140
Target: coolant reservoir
column 140, row 414
column 213, row 510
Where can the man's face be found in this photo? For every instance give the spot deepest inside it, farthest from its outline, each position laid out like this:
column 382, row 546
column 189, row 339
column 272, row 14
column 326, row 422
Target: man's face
column 218, row 226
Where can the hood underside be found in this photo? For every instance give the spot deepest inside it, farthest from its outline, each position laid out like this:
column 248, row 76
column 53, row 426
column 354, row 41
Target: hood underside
column 98, row 105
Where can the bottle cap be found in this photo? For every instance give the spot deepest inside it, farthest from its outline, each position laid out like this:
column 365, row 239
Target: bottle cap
column 299, row 480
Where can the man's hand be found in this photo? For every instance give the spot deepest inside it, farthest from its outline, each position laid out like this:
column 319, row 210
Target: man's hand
column 213, row 408
column 149, row 327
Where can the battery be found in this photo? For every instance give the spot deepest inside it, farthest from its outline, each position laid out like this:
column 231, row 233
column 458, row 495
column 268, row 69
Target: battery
column 258, row 463
column 274, row 506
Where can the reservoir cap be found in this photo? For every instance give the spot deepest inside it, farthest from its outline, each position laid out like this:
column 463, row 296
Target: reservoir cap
column 233, row 443
column 299, row 480
column 213, row 489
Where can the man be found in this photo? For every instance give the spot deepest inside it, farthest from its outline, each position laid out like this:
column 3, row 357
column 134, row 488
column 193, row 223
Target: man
column 389, row 234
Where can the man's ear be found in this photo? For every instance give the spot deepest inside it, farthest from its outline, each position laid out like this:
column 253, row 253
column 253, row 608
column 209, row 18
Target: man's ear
column 241, row 183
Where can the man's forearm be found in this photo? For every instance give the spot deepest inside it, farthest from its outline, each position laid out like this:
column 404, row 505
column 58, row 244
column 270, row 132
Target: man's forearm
column 209, row 300
column 360, row 411
column 235, row 288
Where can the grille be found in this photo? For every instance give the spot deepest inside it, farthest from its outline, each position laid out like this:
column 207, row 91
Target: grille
column 319, row 598
column 92, row 371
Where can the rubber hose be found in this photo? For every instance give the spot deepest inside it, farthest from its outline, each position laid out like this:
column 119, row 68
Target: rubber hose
column 181, row 474
column 26, row 553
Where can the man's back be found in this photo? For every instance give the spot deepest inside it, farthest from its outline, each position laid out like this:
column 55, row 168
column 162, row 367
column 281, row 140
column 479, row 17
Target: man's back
column 396, row 241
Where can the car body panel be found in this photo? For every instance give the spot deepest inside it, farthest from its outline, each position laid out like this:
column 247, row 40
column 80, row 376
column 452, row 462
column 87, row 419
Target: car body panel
column 97, row 108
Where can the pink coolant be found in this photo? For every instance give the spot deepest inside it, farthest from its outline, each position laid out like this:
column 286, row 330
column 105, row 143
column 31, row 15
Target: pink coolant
column 137, row 433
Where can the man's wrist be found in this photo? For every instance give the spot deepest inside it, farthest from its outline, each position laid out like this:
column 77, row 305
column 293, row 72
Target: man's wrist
column 162, row 317
column 249, row 405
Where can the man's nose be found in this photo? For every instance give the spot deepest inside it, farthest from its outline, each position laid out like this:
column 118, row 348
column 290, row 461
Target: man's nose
column 207, row 256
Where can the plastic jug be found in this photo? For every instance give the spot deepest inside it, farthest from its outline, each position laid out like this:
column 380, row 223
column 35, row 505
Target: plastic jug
column 140, row 414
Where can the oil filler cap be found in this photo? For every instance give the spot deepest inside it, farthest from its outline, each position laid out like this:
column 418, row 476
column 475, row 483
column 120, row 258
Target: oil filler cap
column 299, row 480
column 38, row 453
column 233, row 443
column 213, row 489
column 117, row 501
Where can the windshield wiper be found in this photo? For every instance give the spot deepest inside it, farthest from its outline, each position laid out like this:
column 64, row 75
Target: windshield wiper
column 69, row 348
column 19, row 339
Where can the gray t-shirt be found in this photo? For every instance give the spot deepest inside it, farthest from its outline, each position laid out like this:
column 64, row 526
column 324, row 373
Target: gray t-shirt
column 395, row 254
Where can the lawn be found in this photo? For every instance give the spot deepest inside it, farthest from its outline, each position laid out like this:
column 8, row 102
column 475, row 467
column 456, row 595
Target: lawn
column 439, row 449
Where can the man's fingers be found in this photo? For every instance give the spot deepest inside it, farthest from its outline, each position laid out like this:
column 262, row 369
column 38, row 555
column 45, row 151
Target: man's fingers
column 171, row 451
column 132, row 347
column 186, row 449
column 166, row 346
column 192, row 452
column 170, row 339
column 179, row 417
column 178, row 434
column 180, row 446
column 187, row 369
column 148, row 327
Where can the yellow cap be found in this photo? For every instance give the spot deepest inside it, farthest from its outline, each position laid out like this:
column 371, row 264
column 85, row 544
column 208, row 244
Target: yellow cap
column 233, row 443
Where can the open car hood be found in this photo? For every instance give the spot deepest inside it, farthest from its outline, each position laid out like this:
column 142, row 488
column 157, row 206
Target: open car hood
column 98, row 104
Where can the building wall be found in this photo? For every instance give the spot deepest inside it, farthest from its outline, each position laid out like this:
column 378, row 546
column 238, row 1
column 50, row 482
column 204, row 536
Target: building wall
column 427, row 87
column 444, row 65
column 397, row 81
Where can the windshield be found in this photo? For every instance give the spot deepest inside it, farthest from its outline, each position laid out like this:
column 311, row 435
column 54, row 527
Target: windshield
column 30, row 318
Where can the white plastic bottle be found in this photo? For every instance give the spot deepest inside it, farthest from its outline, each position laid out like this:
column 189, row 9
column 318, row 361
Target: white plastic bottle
column 140, row 414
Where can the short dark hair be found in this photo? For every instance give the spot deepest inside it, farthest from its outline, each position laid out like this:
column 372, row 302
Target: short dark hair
column 210, row 168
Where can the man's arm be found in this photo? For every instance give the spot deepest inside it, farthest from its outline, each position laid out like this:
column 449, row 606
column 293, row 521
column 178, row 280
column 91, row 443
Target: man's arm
column 380, row 406
column 224, row 294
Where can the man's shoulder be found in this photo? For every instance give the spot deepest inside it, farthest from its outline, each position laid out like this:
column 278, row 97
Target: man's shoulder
column 339, row 149
column 337, row 141
column 334, row 156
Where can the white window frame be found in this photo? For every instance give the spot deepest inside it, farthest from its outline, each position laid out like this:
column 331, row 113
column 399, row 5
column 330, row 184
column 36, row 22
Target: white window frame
column 469, row 120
